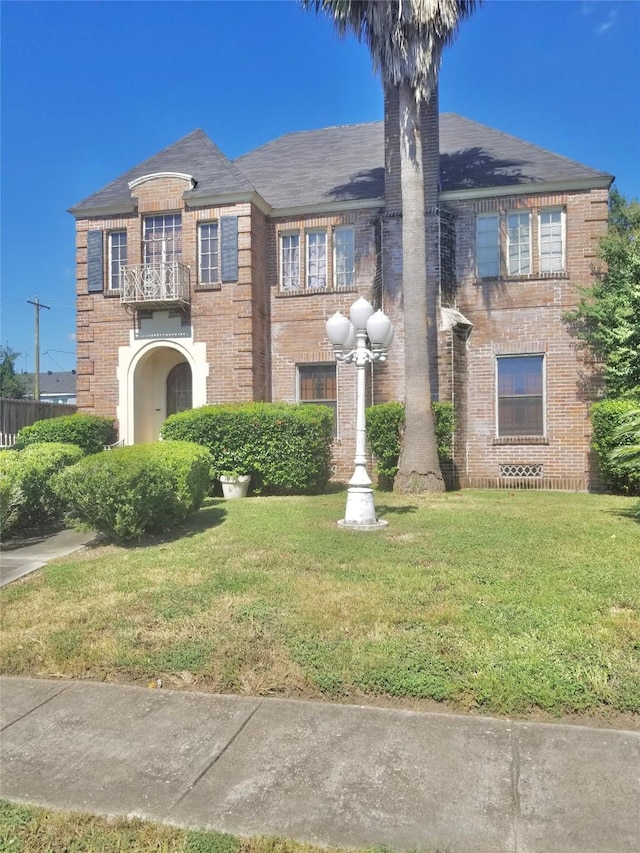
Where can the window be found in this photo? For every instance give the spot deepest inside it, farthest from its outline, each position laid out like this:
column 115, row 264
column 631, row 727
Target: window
column 520, row 395
column 343, row 258
column 488, row 246
column 551, row 239
column 179, row 395
column 208, row 253
column 317, row 384
column 317, row 260
column 290, row 262
column 162, row 238
column 519, row 243
column 117, row 257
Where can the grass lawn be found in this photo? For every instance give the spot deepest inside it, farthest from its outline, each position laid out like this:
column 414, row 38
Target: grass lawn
column 520, row 603
column 26, row 829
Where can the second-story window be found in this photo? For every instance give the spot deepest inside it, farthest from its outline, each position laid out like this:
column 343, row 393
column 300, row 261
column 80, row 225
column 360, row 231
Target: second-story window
column 317, row 260
column 488, row 246
column 290, row 262
column 117, row 257
column 208, row 253
column 162, row 238
column 343, row 258
column 551, row 230
column 519, row 243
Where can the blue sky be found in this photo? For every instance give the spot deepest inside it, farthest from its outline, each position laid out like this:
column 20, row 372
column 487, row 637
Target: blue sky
column 90, row 88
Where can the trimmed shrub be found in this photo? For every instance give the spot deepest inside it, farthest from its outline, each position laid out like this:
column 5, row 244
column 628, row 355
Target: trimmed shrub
column 132, row 490
column 89, row 432
column 608, row 421
column 385, row 422
column 286, row 447
column 26, row 477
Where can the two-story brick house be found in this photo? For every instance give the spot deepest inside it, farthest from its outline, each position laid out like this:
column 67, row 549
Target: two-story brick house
column 204, row 280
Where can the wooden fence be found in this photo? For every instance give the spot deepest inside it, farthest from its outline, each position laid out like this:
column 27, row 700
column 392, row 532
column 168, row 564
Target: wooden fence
column 15, row 414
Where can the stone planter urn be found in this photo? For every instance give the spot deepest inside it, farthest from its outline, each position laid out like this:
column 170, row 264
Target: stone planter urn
column 235, row 485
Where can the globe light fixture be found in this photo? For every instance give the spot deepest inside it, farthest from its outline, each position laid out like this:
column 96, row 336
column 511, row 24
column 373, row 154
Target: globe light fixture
column 361, row 339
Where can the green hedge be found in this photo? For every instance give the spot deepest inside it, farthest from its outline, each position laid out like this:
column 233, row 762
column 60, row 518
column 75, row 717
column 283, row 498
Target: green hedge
column 385, row 422
column 607, row 421
column 89, row 432
column 26, row 493
column 286, row 447
column 129, row 491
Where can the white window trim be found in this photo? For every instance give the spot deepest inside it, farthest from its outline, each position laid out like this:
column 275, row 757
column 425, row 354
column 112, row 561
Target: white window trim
column 563, row 237
column 541, row 355
column 338, row 230
column 200, row 226
column 479, row 217
column 511, row 213
column 110, row 255
column 297, row 287
column 312, row 232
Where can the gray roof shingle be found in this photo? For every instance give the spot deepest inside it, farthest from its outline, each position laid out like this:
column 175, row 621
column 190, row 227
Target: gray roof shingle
column 346, row 163
column 194, row 154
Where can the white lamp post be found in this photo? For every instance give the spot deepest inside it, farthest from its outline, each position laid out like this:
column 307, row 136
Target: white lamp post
column 360, row 340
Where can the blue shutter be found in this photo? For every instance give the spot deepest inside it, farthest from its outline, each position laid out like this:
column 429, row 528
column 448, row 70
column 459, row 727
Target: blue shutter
column 229, row 248
column 95, row 262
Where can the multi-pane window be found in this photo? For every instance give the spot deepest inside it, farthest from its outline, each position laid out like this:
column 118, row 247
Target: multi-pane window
column 117, row 257
column 317, row 260
column 317, row 384
column 208, row 253
column 343, row 258
column 488, row 245
column 520, row 395
column 519, row 243
column 179, row 389
column 551, row 240
column 162, row 238
column 290, row 262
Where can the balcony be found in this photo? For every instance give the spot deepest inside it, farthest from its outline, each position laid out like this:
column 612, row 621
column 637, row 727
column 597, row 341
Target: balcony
column 159, row 285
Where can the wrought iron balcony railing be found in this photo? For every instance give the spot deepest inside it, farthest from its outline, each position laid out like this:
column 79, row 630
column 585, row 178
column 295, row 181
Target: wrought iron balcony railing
column 155, row 285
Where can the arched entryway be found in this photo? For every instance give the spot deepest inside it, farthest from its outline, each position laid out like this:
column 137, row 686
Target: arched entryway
column 162, row 385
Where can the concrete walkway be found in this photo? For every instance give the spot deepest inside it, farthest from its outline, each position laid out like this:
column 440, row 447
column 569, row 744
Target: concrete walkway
column 329, row 774
column 20, row 557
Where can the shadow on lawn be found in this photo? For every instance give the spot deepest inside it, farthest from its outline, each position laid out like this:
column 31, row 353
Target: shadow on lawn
column 210, row 515
column 633, row 513
column 395, row 510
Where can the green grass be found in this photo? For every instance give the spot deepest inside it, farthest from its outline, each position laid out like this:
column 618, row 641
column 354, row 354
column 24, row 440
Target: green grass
column 504, row 602
column 27, row 829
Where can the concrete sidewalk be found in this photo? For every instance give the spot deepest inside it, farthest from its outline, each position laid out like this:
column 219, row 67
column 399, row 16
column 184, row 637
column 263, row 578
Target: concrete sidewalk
column 329, row 774
column 20, row 557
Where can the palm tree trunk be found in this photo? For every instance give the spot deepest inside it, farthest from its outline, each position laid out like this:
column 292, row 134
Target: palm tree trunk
column 418, row 467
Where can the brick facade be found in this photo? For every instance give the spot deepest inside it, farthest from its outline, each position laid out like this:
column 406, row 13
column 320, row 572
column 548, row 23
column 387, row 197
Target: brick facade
column 245, row 338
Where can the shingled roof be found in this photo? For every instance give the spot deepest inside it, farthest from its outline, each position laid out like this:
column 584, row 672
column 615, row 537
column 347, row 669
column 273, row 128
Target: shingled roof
column 194, row 154
column 346, row 163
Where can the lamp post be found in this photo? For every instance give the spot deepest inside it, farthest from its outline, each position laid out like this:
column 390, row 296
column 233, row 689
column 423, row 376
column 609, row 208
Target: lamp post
column 360, row 340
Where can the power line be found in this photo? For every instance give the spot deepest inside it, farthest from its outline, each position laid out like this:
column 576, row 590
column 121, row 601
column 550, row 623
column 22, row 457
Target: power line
column 38, row 306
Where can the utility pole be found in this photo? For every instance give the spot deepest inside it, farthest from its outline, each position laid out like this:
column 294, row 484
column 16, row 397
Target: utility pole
column 36, row 379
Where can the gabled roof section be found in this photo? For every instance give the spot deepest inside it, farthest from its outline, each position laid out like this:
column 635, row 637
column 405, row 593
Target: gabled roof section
column 319, row 166
column 346, row 164
column 474, row 156
column 194, row 154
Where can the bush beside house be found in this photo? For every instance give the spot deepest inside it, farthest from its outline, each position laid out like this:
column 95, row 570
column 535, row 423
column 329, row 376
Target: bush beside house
column 608, row 421
column 89, row 432
column 26, row 494
column 286, row 447
column 133, row 490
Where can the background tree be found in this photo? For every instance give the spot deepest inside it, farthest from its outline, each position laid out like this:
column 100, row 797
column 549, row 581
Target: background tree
column 406, row 39
column 608, row 315
column 12, row 386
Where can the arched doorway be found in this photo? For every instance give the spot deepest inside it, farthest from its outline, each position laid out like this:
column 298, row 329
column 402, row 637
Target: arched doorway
column 162, row 385
column 179, row 389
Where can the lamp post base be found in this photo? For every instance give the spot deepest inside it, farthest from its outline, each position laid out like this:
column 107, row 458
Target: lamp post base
column 360, row 512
